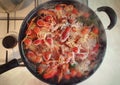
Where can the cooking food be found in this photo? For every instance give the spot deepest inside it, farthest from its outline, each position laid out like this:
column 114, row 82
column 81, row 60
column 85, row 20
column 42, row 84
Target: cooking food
column 62, row 42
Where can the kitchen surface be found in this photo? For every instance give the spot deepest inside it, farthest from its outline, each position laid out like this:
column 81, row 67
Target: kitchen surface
column 107, row 74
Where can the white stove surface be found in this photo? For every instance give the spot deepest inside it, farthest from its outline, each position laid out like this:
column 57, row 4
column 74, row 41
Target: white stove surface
column 107, row 73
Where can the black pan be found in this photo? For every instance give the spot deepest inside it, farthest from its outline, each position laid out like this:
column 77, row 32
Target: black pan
column 102, row 39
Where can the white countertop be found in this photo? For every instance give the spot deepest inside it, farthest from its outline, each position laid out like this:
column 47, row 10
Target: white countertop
column 109, row 71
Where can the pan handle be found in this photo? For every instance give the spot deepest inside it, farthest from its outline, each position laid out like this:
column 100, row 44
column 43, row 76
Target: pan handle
column 12, row 64
column 112, row 15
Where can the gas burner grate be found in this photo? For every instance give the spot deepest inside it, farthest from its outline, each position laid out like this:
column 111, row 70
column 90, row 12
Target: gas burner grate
column 9, row 41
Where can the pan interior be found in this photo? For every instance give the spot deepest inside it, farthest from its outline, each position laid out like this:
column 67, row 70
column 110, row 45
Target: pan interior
column 102, row 39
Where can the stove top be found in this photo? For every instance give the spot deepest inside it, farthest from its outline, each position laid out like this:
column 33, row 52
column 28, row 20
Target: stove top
column 107, row 74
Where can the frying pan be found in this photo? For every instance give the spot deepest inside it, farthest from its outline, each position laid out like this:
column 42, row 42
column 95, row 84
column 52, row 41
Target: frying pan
column 50, row 4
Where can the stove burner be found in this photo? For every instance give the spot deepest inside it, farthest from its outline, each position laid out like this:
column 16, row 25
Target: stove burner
column 9, row 41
